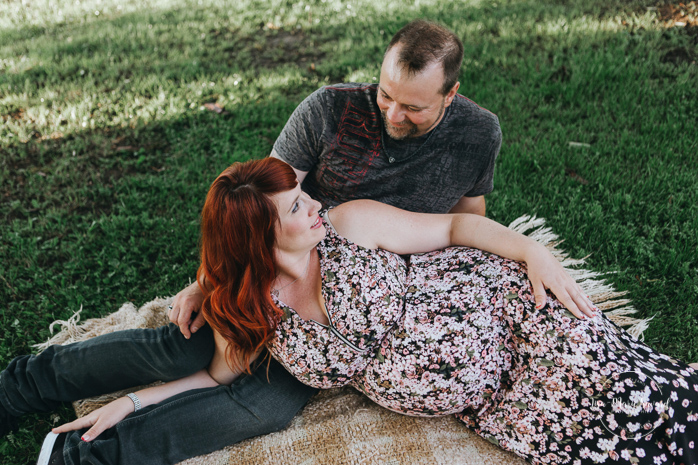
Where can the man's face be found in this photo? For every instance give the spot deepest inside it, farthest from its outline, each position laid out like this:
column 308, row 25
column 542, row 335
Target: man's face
column 411, row 105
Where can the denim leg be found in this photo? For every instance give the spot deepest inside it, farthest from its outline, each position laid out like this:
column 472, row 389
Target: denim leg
column 39, row 383
column 190, row 424
column 197, row 422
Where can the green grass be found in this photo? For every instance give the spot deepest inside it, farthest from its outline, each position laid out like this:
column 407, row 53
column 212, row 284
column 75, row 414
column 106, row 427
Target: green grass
column 106, row 150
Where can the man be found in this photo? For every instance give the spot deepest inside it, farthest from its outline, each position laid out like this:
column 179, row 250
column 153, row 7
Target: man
column 410, row 141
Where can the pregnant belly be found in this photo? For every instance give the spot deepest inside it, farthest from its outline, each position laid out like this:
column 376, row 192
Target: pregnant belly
column 438, row 362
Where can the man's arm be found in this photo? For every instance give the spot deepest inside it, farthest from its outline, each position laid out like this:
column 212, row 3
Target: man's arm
column 299, row 174
column 187, row 304
column 474, row 205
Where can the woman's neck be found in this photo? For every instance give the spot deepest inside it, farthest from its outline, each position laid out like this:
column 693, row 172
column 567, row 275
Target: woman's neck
column 301, row 287
column 291, row 269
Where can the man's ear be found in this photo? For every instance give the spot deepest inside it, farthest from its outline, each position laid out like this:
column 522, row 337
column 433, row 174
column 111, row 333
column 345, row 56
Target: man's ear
column 451, row 94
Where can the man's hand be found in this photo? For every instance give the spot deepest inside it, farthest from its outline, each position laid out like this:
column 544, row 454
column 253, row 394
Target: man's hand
column 186, row 303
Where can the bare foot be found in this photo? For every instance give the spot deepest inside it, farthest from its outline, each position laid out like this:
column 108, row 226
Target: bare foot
column 693, row 365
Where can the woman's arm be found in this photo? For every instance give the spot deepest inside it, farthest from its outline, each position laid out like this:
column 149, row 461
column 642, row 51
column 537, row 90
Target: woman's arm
column 219, row 369
column 218, row 372
column 109, row 415
column 375, row 225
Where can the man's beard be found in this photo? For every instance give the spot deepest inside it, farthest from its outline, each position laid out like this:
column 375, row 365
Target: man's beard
column 408, row 129
column 405, row 130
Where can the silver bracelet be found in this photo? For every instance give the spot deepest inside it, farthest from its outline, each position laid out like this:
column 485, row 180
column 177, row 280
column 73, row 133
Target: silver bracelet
column 136, row 401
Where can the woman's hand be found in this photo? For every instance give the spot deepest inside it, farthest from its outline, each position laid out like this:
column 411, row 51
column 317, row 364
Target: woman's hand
column 100, row 420
column 545, row 272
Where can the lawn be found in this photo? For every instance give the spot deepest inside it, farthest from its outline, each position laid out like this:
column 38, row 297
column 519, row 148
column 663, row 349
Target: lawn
column 116, row 116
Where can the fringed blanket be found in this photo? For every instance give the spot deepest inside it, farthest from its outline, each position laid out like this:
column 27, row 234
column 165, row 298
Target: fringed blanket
column 341, row 426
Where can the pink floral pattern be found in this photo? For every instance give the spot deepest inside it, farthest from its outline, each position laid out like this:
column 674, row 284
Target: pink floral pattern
column 364, row 292
column 457, row 332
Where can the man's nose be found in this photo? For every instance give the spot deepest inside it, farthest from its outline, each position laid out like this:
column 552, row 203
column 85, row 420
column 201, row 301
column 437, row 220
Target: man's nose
column 394, row 114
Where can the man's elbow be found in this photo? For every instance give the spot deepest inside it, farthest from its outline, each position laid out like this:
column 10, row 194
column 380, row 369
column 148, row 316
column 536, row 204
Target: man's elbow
column 472, row 205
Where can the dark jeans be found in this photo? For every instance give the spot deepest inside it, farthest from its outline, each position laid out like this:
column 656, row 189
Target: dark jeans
column 189, row 424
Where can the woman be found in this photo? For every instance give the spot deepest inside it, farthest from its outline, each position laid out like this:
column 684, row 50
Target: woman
column 458, row 330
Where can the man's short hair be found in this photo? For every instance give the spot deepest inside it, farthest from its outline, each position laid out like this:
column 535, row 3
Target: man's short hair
column 424, row 42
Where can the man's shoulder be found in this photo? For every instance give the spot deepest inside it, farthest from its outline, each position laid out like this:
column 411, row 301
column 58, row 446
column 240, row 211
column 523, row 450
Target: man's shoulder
column 347, row 98
column 465, row 108
column 348, row 91
column 350, row 87
column 336, row 96
column 470, row 128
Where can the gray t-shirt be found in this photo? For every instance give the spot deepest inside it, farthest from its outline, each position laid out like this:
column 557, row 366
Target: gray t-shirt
column 337, row 135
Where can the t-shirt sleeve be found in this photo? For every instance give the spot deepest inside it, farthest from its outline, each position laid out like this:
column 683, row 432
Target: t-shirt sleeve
column 300, row 141
column 485, row 183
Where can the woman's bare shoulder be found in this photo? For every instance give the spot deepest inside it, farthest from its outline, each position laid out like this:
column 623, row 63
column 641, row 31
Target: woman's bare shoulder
column 355, row 220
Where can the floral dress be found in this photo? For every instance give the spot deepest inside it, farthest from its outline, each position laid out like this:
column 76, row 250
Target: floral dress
column 456, row 331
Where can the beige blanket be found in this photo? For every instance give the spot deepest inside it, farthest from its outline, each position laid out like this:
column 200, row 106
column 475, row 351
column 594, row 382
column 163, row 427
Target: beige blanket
column 340, row 426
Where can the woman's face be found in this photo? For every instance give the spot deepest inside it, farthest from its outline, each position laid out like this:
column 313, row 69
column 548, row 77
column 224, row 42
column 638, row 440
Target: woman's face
column 300, row 227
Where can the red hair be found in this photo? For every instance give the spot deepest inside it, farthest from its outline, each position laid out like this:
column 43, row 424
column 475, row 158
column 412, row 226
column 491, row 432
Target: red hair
column 238, row 233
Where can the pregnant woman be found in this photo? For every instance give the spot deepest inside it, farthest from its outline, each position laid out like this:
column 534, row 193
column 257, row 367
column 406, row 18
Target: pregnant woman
column 456, row 330
column 464, row 327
